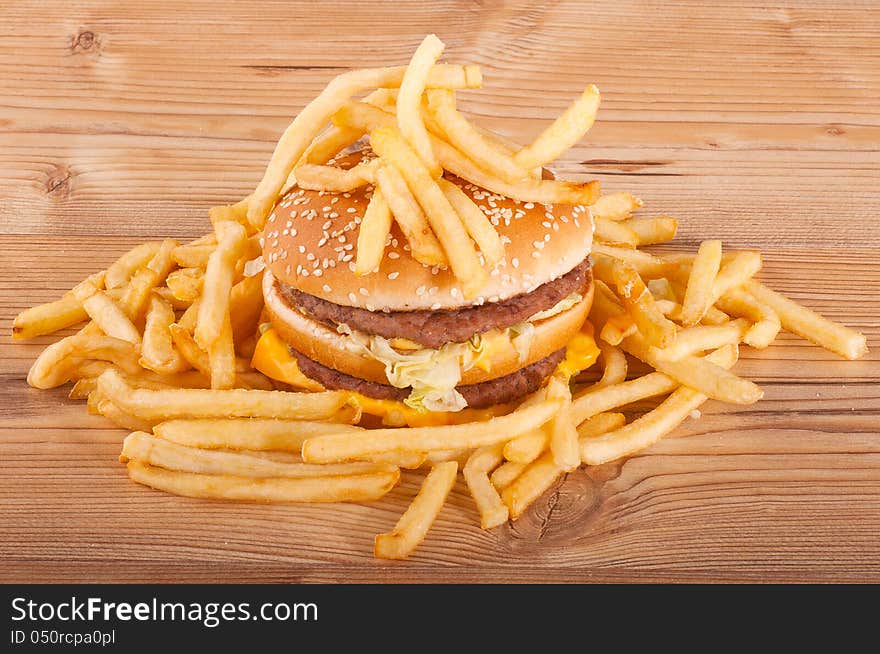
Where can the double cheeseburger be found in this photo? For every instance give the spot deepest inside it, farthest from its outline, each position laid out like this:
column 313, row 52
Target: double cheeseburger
column 405, row 333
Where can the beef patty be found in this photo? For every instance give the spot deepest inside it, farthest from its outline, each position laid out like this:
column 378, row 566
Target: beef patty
column 478, row 396
column 434, row 329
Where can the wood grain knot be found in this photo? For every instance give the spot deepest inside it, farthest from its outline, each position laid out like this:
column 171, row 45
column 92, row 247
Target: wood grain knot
column 59, row 182
column 85, row 42
column 834, row 130
column 561, row 514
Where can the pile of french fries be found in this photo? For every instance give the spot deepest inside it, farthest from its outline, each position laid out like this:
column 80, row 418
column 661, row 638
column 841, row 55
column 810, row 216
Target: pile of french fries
column 170, row 328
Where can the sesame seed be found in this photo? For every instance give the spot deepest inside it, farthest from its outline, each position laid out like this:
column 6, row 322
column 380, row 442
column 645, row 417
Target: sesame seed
column 395, row 275
column 515, row 262
column 393, row 255
column 529, row 205
column 435, row 306
column 352, row 298
column 363, row 291
column 326, row 288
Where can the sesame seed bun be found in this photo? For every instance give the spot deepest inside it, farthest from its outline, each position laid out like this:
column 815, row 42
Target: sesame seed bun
column 311, row 237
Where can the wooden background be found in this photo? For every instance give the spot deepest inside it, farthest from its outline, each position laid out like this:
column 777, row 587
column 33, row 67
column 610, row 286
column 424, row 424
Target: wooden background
column 760, row 125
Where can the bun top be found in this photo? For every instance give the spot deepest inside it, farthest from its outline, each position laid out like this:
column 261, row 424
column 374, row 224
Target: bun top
column 310, row 243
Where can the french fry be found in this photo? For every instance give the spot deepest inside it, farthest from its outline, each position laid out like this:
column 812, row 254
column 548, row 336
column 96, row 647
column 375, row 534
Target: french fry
column 465, row 136
column 698, row 296
column 221, row 358
column 699, row 374
column 344, row 488
column 563, row 431
column 504, row 475
column 615, row 365
column 413, row 223
column 106, row 314
column 235, row 212
column 563, row 133
column 409, row 99
column 189, row 349
column 615, row 233
column 615, row 206
column 646, row 264
column 186, row 283
column 245, row 306
column 537, row 478
column 341, row 447
column 120, row 271
column 650, row 231
column 165, row 294
column 117, row 416
column 445, row 223
column 597, row 400
column 234, row 403
column 662, row 289
column 736, row 272
column 739, row 302
column 246, row 433
column 528, row 447
column 53, row 316
column 493, row 511
column 157, row 351
column 58, row 363
column 413, row 525
column 374, row 229
column 137, row 294
column 599, row 424
column 300, row 133
column 693, row 340
column 653, row 325
column 339, row 180
column 193, row 256
column 475, row 222
column 140, row 446
column 652, row 426
column 810, row 325
column 214, row 307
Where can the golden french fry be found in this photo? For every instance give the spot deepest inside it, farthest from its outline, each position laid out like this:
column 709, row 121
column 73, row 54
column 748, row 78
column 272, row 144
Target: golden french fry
column 193, row 256
column 504, row 475
column 472, row 142
column 344, row 488
column 538, row 477
column 165, row 294
column 615, row 206
column 125, row 266
column 413, row 223
column 545, row 191
column 140, row 446
column 117, row 416
column 699, row 374
column 53, row 316
column 810, row 325
column 475, row 222
column 137, row 293
column 234, row 403
column 300, row 133
column 157, row 351
column 652, row 426
column 246, row 433
column 615, row 365
column 413, row 525
column 58, row 363
column 341, row 447
column 736, row 272
column 106, row 314
column 563, row 133
column 528, row 447
column 214, row 307
column 615, row 233
column 186, row 283
column 445, row 223
column 646, row 264
column 693, row 340
column 662, row 289
column 562, row 429
column 221, row 358
column 374, row 229
column 245, row 306
column 651, row 231
column 698, row 294
column 739, row 302
column 653, row 325
column 599, row 424
column 493, row 511
column 329, row 178
column 409, row 99
column 235, row 212
column 189, row 349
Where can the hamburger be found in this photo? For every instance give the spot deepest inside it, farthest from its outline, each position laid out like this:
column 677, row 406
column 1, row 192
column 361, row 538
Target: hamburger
column 405, row 335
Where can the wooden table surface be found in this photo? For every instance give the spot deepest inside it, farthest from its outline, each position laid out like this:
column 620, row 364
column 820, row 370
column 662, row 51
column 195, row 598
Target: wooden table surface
column 122, row 121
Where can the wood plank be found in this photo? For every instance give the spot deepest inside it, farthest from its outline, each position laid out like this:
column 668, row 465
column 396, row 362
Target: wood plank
column 755, row 124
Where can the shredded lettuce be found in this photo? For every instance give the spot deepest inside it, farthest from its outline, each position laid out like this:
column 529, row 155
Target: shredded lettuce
column 521, row 336
column 564, row 304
